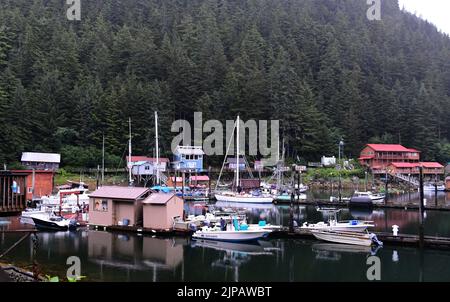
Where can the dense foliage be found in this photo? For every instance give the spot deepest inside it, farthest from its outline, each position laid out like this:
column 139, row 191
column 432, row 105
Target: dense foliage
column 319, row 66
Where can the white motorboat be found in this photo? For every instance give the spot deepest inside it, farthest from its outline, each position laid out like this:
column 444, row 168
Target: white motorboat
column 52, row 222
column 216, row 233
column 27, row 215
column 353, row 226
column 352, row 238
column 334, row 225
column 433, row 188
column 376, row 198
column 234, row 232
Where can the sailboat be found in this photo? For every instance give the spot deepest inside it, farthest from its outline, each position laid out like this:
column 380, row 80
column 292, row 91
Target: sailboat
column 242, row 197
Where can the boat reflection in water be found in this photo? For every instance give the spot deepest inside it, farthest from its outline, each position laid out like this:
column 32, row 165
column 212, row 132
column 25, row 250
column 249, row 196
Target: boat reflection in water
column 135, row 253
column 235, row 254
column 334, row 251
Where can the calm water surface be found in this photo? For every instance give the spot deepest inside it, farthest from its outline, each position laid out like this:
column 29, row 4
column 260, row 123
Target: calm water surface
column 128, row 257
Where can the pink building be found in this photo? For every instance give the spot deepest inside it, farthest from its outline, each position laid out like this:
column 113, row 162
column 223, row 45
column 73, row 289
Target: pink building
column 160, row 209
column 112, row 206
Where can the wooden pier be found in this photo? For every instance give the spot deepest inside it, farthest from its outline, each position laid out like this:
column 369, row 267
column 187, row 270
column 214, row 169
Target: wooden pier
column 12, row 192
column 402, row 240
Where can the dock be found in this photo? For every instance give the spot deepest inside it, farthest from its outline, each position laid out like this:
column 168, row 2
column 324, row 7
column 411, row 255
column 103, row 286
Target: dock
column 403, row 240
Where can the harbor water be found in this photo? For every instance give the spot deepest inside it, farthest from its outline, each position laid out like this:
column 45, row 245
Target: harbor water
column 131, row 257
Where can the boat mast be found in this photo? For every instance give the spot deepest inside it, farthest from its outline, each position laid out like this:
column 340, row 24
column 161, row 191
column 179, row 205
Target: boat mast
column 129, row 154
column 237, row 152
column 157, row 148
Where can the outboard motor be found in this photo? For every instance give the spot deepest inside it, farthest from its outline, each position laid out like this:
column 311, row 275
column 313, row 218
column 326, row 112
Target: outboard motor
column 73, row 224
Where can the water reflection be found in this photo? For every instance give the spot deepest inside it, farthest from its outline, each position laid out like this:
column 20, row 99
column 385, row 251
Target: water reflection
column 131, row 252
column 234, row 255
column 333, row 252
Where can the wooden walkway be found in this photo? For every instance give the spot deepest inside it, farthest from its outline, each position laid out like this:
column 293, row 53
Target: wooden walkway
column 404, row 240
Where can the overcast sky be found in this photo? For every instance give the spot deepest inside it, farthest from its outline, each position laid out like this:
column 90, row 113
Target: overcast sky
column 435, row 11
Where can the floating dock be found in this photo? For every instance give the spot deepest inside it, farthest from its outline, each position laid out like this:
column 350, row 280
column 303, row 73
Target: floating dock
column 388, row 239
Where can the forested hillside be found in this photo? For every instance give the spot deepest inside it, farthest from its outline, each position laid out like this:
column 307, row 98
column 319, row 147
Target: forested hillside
column 319, row 66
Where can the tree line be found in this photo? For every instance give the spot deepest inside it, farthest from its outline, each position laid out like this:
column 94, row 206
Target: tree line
column 320, row 67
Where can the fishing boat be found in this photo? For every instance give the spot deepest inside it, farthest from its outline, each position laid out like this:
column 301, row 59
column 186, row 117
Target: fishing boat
column 216, row 233
column 334, row 225
column 352, row 238
column 241, row 197
column 375, row 198
column 51, row 222
column 354, row 226
column 232, row 233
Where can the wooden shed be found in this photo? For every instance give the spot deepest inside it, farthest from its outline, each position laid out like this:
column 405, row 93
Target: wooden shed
column 113, row 206
column 160, row 209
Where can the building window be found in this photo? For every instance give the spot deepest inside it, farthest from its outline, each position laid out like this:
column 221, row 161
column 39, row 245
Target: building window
column 101, row 205
column 30, row 190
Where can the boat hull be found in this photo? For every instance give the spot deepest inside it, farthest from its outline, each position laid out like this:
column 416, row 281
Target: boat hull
column 231, row 236
column 243, row 199
column 49, row 225
column 343, row 237
column 348, row 228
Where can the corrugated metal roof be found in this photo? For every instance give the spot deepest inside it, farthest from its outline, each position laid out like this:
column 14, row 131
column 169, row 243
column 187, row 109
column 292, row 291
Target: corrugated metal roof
column 432, row 165
column 115, row 192
column 405, row 165
column 41, row 157
column 159, row 198
column 388, row 148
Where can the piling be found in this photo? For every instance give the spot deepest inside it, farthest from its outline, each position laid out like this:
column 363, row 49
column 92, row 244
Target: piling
column 421, row 206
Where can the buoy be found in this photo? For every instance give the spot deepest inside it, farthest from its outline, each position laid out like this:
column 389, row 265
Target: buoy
column 395, row 230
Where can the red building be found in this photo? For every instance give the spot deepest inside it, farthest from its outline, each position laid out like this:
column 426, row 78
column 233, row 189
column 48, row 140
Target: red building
column 396, row 159
column 378, row 157
column 43, row 183
column 429, row 168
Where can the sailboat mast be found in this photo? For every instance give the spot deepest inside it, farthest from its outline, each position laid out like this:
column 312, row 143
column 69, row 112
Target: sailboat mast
column 157, row 148
column 237, row 152
column 129, row 154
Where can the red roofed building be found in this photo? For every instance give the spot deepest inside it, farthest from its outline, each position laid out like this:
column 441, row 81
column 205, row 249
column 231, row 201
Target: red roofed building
column 378, row 157
column 396, row 159
column 429, row 168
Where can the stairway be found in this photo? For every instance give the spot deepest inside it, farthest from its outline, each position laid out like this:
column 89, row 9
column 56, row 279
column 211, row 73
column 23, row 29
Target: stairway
column 406, row 178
